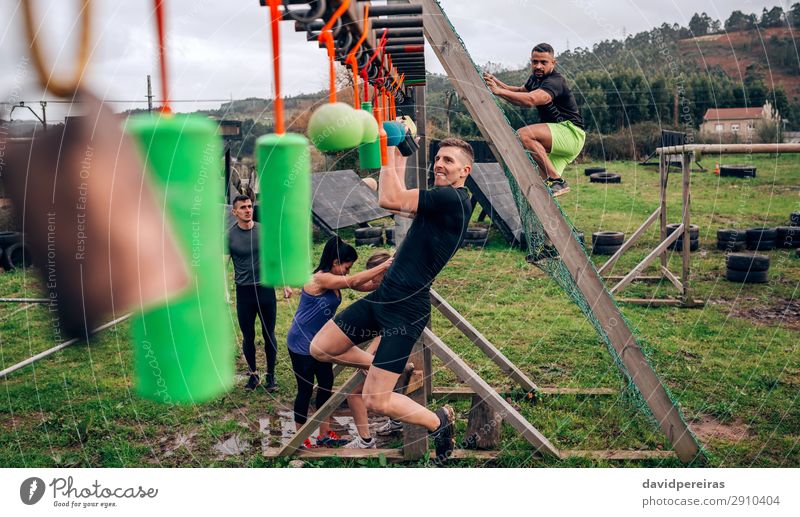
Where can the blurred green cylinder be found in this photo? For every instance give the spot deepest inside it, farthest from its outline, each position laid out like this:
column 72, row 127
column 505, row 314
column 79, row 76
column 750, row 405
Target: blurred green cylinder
column 369, row 154
column 284, row 174
column 185, row 348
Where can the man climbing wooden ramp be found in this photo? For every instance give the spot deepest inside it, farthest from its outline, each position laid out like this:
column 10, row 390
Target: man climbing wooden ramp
column 600, row 307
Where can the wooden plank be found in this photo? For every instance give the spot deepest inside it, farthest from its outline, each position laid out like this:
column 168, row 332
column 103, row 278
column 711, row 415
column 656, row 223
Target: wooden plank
column 466, row 393
column 630, row 242
column 392, row 455
column 492, row 352
column 415, row 437
column 647, row 260
column 731, row 148
column 321, row 414
column 659, row 302
column 618, row 455
column 672, row 278
column 640, row 278
column 482, row 106
column 467, row 375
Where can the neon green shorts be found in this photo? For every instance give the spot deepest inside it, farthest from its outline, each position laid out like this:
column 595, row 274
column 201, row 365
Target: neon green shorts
column 568, row 142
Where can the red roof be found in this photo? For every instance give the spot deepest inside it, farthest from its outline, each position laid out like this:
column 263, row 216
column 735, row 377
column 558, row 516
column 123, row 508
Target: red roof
column 733, row 113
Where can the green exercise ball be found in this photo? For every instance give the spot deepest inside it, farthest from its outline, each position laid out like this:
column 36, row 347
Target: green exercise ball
column 395, row 133
column 335, row 127
column 370, row 126
column 284, row 174
column 184, row 346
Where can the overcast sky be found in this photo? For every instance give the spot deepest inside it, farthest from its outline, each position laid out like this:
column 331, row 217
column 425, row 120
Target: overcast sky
column 219, row 49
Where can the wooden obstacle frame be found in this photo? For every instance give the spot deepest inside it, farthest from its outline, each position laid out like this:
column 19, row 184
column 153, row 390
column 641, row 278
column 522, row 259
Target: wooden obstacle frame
column 681, row 280
column 510, row 153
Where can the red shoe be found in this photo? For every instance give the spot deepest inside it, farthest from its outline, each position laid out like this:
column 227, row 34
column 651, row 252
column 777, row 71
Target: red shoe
column 308, row 445
column 332, row 440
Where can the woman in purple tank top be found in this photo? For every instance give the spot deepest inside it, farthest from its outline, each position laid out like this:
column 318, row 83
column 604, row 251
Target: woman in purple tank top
column 319, row 300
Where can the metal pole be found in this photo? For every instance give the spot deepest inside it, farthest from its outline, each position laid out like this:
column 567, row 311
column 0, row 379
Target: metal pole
column 62, row 346
column 149, row 95
column 44, row 114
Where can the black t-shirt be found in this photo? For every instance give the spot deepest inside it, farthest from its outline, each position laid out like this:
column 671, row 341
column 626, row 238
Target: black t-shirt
column 434, row 237
column 243, row 247
column 563, row 107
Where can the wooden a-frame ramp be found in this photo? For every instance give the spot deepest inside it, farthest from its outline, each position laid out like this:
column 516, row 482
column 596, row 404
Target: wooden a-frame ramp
column 508, row 150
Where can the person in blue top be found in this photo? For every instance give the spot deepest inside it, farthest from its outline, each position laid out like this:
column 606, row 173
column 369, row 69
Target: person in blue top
column 319, row 300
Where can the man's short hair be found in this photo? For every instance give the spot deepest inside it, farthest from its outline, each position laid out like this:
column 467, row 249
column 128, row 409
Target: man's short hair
column 240, row 197
column 544, row 47
column 461, row 144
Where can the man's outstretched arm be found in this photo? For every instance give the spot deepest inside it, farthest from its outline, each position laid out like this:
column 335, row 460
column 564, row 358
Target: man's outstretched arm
column 392, row 192
column 519, row 96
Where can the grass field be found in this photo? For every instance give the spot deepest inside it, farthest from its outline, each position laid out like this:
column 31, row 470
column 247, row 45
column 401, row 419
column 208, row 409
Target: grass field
column 733, row 364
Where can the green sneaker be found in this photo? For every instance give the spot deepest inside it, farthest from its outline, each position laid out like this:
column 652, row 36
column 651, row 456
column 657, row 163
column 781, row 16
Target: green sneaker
column 558, row 186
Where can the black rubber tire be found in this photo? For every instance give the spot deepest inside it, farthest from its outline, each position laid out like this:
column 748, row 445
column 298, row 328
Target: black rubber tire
column 731, row 235
column 794, row 219
column 605, row 250
column 761, row 245
column 694, row 245
column 15, row 256
column 477, row 234
column 593, row 170
column 9, row 238
column 305, row 16
column 607, row 238
column 797, row 252
column 474, row 243
column 389, row 233
column 788, row 237
column 731, row 246
column 737, row 171
column 761, row 234
column 694, row 230
column 605, row 177
column 746, row 277
column 370, row 241
column 369, row 232
column 747, row 262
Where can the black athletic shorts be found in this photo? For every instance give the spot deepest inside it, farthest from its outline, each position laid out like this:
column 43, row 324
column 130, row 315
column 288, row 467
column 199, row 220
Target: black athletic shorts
column 398, row 322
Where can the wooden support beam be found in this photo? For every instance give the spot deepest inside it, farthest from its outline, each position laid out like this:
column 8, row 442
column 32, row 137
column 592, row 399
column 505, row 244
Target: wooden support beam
column 731, row 148
column 392, row 455
column 662, row 302
column 630, row 242
column 321, row 414
column 415, row 438
column 686, row 256
column 640, row 278
column 492, row 352
column 507, row 148
column 467, row 375
column 466, row 393
column 647, row 260
column 672, row 278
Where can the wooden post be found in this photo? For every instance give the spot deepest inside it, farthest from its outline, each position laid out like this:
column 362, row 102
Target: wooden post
column 686, row 257
column 507, row 148
column 415, row 438
column 483, row 426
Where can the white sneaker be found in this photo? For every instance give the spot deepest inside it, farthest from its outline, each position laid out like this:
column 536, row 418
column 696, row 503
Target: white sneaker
column 360, row 443
column 389, row 428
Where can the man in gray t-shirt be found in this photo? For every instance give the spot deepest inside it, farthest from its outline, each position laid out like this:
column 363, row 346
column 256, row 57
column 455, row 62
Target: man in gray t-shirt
column 252, row 298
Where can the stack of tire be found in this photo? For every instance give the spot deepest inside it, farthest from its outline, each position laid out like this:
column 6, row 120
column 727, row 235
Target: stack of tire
column 746, row 268
column 13, row 253
column 737, row 171
column 694, row 238
column 389, row 235
column 761, row 239
column 475, row 238
column 369, row 236
column 730, row 240
column 787, row 237
column 605, row 177
column 607, row 243
column 794, row 220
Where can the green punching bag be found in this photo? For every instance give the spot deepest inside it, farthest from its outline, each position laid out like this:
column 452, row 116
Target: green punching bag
column 185, row 345
column 369, row 154
column 283, row 162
